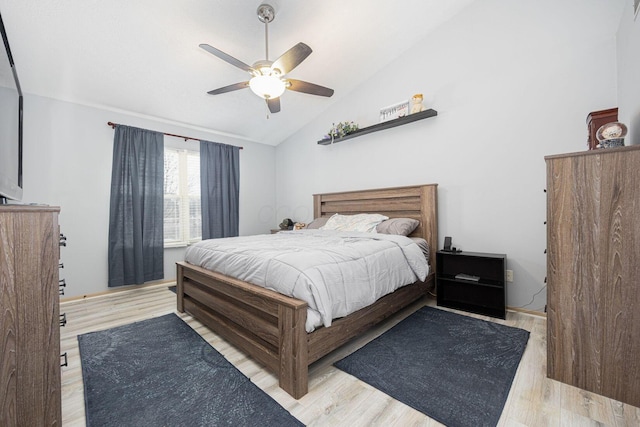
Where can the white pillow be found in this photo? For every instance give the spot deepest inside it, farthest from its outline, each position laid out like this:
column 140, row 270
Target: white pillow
column 361, row 222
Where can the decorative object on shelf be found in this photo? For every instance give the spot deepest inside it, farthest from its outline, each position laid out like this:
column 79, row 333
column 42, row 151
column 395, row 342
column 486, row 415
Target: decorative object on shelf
column 611, row 135
column 382, row 126
column 416, row 103
column 340, row 130
column 394, row 111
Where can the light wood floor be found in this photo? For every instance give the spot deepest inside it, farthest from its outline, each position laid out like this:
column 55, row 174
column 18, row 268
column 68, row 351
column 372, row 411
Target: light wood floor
column 336, row 398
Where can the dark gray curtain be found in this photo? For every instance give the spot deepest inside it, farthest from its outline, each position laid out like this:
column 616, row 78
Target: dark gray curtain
column 220, row 189
column 136, row 220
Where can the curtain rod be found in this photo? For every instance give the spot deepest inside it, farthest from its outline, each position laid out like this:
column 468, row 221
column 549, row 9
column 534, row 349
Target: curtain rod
column 113, row 125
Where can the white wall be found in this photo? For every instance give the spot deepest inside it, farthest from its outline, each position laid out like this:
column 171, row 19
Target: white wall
column 628, row 58
column 67, row 162
column 512, row 82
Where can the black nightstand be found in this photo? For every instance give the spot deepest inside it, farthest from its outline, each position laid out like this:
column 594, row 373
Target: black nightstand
column 482, row 291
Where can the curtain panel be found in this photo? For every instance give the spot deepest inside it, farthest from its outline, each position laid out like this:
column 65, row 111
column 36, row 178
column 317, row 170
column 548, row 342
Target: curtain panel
column 136, row 218
column 220, row 189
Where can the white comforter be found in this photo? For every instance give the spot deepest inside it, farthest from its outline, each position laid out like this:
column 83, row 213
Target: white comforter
column 336, row 273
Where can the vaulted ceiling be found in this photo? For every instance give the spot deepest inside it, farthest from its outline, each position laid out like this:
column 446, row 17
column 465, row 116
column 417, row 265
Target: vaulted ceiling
column 142, row 57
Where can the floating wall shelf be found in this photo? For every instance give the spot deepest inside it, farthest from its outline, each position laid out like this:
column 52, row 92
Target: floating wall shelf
column 386, row 125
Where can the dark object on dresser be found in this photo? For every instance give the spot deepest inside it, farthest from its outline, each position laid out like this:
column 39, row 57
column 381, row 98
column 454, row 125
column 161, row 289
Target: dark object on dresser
column 595, row 119
column 472, row 281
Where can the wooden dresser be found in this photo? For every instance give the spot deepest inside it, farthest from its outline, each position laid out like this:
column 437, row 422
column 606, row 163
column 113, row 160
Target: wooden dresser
column 29, row 318
column 593, row 271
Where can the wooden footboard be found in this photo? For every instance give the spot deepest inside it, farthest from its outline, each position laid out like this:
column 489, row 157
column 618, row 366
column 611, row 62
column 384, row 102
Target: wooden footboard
column 267, row 325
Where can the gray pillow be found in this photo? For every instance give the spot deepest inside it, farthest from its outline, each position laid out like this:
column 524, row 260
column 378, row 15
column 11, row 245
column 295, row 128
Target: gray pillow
column 317, row 223
column 400, row 226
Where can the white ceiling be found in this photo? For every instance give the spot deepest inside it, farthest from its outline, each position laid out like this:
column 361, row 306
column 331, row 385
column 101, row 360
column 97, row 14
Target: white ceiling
column 142, row 56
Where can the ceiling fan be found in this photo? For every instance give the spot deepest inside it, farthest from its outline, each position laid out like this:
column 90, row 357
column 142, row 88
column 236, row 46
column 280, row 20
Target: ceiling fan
column 268, row 81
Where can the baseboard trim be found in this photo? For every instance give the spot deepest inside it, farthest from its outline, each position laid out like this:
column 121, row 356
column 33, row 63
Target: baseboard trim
column 531, row 312
column 116, row 290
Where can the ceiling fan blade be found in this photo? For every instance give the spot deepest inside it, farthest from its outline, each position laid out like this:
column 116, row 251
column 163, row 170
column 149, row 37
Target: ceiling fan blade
column 274, row 105
column 291, row 58
column 311, row 88
column 225, row 57
column 225, row 89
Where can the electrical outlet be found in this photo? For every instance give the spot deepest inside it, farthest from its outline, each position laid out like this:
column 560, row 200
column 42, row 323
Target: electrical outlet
column 509, row 275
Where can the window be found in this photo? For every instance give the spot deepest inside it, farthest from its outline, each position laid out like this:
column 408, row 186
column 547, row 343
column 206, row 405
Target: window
column 182, row 216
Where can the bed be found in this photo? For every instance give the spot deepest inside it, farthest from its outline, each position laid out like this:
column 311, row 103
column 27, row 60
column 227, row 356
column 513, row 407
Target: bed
column 270, row 327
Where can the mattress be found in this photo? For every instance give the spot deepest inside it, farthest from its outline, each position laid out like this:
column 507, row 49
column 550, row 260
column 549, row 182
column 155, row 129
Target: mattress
column 335, row 272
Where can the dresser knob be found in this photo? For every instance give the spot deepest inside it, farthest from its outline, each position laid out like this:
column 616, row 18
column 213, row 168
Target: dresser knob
column 66, row 360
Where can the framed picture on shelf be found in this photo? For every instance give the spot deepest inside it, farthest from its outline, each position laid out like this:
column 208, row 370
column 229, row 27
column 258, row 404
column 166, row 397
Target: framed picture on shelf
column 394, row 111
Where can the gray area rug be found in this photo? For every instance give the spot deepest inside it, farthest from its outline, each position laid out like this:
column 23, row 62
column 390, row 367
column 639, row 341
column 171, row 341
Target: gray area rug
column 160, row 372
column 456, row 369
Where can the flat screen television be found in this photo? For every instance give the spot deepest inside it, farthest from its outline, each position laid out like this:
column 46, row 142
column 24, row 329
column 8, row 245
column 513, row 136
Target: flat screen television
column 10, row 125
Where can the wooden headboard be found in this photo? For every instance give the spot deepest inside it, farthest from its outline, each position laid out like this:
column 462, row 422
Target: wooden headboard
column 419, row 202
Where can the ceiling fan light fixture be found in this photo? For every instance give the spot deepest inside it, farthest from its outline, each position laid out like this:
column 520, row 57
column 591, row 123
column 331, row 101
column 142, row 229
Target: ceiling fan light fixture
column 267, row 87
column 268, row 77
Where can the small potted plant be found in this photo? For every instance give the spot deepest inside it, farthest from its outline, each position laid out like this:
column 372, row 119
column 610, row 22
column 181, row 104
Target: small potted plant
column 341, row 129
